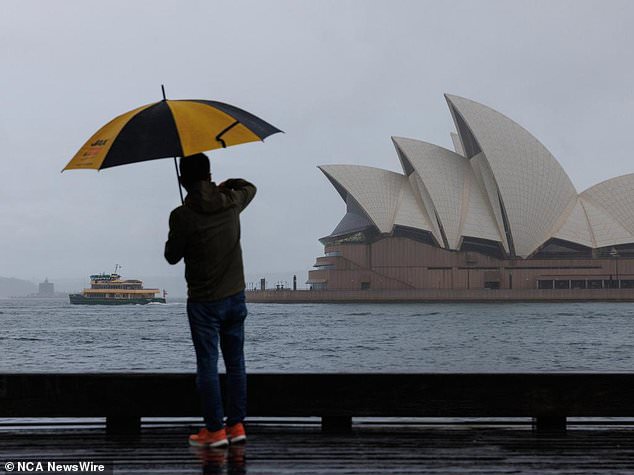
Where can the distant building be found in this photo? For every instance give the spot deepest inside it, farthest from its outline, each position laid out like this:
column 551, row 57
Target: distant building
column 46, row 289
column 499, row 212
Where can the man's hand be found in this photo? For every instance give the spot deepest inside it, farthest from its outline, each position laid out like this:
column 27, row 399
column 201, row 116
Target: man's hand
column 233, row 183
column 241, row 191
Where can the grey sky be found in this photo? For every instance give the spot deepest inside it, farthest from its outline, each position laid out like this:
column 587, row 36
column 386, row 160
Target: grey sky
column 339, row 77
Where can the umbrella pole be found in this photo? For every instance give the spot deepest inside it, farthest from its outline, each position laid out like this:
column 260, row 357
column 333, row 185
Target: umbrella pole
column 180, row 190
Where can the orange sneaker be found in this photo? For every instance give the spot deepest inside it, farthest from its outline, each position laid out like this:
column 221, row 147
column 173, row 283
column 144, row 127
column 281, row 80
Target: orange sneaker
column 205, row 438
column 236, row 433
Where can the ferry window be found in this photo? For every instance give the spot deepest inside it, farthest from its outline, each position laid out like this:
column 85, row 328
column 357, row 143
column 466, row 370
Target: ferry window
column 365, row 285
column 492, row 285
column 627, row 284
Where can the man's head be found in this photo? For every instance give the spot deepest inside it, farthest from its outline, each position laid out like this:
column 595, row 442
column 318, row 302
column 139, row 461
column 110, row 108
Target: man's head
column 194, row 168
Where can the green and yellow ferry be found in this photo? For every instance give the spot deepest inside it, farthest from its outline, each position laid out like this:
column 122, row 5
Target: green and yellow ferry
column 110, row 289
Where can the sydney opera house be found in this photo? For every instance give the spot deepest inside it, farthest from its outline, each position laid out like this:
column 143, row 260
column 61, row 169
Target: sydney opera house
column 498, row 212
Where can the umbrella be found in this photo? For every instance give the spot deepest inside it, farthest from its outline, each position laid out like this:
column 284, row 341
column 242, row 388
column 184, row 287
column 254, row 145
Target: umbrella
column 169, row 128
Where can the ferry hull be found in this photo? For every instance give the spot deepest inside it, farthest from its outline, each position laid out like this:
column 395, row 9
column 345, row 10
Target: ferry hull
column 79, row 299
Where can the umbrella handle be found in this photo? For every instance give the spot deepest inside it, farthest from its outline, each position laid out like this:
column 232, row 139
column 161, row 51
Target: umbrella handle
column 180, row 189
column 224, row 131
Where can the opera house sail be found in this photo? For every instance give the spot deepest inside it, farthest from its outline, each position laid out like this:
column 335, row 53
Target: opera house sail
column 497, row 212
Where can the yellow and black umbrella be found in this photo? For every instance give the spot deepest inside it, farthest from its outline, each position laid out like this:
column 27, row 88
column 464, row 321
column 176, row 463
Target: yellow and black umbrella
column 169, row 128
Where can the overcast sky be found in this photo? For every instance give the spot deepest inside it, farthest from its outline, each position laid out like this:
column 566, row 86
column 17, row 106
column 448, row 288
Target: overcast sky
column 339, row 77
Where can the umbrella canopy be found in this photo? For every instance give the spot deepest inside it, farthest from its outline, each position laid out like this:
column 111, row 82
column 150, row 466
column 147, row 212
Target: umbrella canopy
column 169, row 128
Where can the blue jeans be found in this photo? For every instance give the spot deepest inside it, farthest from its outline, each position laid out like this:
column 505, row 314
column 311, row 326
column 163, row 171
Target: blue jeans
column 220, row 321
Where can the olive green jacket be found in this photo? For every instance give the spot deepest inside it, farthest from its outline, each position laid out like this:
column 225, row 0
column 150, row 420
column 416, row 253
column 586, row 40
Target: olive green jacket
column 205, row 231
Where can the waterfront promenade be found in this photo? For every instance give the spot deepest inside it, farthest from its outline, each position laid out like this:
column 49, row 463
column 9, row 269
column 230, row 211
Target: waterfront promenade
column 440, row 295
column 301, row 448
column 330, row 423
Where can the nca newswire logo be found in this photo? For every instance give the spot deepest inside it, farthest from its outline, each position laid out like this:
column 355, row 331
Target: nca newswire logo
column 29, row 466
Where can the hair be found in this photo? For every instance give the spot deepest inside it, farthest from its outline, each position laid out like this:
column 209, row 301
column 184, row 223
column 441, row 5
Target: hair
column 194, row 168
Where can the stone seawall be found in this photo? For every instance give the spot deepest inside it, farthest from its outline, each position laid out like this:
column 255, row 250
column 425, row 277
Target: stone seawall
column 440, row 295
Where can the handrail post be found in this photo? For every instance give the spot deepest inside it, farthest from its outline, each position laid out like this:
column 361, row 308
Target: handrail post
column 549, row 424
column 336, row 424
column 123, row 425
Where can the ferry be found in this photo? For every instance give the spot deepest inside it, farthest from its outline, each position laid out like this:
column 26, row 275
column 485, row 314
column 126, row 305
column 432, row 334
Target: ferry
column 110, row 289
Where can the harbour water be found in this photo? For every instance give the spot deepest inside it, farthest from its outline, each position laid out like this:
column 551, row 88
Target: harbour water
column 50, row 335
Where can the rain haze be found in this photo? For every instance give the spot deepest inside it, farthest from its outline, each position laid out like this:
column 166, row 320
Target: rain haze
column 339, row 77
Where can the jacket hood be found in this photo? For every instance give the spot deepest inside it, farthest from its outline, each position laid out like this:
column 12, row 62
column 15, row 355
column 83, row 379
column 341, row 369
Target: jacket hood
column 206, row 197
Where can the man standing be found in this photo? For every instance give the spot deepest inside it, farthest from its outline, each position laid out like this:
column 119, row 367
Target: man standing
column 205, row 231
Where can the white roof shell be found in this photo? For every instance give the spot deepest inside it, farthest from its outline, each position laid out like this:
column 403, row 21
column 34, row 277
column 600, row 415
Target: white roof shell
column 450, row 181
column 479, row 219
column 410, row 211
column 616, row 196
column 386, row 198
column 533, row 187
column 457, row 144
column 485, row 179
column 502, row 185
column 576, row 228
column 606, row 230
column 443, row 172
